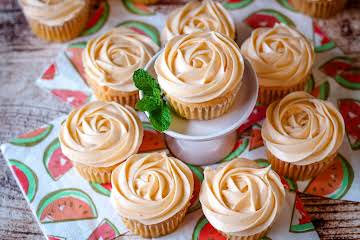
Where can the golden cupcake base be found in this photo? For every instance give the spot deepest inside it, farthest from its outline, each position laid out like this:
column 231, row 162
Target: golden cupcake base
column 319, row 9
column 93, row 174
column 156, row 230
column 298, row 172
column 251, row 237
column 69, row 30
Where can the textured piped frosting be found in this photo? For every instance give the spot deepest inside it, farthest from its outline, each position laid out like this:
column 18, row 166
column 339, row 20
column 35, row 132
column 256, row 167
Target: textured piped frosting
column 151, row 188
column 112, row 58
column 52, row 12
column 101, row 134
column 240, row 198
column 280, row 55
column 199, row 16
column 301, row 129
column 200, row 67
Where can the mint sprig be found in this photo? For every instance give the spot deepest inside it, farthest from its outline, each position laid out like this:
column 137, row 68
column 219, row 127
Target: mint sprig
column 152, row 101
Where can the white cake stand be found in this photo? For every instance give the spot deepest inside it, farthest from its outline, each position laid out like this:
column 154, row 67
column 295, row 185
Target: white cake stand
column 207, row 142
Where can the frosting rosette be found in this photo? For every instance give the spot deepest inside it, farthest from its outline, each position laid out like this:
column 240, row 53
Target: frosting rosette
column 301, row 129
column 198, row 16
column 101, row 134
column 52, row 12
column 111, row 59
column 151, row 188
column 200, row 67
column 280, row 55
column 240, row 198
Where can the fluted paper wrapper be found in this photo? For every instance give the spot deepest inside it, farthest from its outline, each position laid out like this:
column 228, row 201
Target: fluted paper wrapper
column 94, row 174
column 320, row 8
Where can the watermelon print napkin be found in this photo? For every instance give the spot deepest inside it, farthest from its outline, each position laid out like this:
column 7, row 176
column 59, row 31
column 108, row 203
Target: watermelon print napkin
column 68, row 207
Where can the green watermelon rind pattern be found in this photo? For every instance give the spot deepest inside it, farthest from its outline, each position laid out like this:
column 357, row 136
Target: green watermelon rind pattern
column 29, row 142
column 238, row 151
column 100, row 23
column 108, row 222
column 301, row 228
column 279, row 16
column 50, row 149
column 199, row 225
column 286, row 4
column 325, row 47
column 31, row 177
column 66, row 192
column 150, row 30
column 199, row 172
column 237, row 5
column 129, row 5
column 100, row 189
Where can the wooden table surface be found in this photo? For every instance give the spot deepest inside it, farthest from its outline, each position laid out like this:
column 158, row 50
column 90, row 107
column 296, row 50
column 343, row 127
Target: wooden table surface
column 24, row 106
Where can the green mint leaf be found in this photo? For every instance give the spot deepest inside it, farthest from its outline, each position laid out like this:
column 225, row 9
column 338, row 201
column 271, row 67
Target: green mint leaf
column 148, row 103
column 145, row 82
column 161, row 118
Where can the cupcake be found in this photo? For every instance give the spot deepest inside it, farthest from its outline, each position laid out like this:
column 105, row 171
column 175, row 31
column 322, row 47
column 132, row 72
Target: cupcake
column 110, row 61
column 241, row 199
column 319, row 8
column 302, row 135
column 200, row 74
column 98, row 137
column 282, row 58
column 56, row 20
column 198, row 16
column 152, row 193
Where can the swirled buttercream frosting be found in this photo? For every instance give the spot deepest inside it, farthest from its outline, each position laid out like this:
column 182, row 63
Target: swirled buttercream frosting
column 101, row 134
column 112, row 58
column 280, row 55
column 198, row 16
column 301, row 129
column 200, row 67
column 240, row 198
column 151, row 188
column 52, row 12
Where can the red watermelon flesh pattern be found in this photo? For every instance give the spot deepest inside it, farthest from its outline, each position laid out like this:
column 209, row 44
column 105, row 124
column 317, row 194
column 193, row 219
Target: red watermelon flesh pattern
column 256, row 140
column 73, row 97
column 261, row 20
column 195, row 197
column 107, row 186
column 342, row 68
column 22, row 179
column 350, row 110
column 105, row 231
column 318, row 32
column 304, row 216
column 152, row 141
column 95, row 17
column 256, row 115
column 59, row 164
column 75, row 55
column 49, row 74
column 33, row 133
column 55, row 238
column 208, row 232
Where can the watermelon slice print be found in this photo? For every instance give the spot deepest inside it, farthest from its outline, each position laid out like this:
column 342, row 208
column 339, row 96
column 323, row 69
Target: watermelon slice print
column 267, row 18
column 74, row 53
column 51, row 237
column 66, row 205
column 300, row 219
column 198, row 173
column 350, row 110
column 26, row 177
column 321, row 91
column 334, row 182
column 205, row 231
column 239, row 148
column 105, row 231
column 104, row 188
column 74, row 97
column 256, row 115
column 55, row 162
column 236, row 4
column 286, row 4
column 144, row 29
column 138, row 8
column 152, row 139
column 98, row 19
column 342, row 69
column 49, row 73
column 256, row 140
column 32, row 138
column 322, row 42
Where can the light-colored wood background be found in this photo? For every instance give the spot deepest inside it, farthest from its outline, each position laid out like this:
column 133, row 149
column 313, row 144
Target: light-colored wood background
column 24, row 106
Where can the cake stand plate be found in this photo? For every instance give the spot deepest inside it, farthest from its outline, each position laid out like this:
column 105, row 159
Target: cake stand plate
column 203, row 142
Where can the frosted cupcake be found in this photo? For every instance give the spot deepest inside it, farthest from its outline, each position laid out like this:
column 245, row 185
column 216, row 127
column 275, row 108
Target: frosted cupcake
column 110, row 61
column 152, row 193
column 282, row 58
column 241, row 199
column 302, row 135
column 198, row 16
column 98, row 137
column 56, row 20
column 319, row 8
column 201, row 74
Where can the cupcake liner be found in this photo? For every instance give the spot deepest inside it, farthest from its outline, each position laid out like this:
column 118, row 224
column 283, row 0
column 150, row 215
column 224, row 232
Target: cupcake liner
column 251, row 237
column 203, row 111
column 319, row 9
column 94, row 174
column 156, row 230
column 268, row 95
column 298, row 172
column 107, row 94
column 69, row 30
